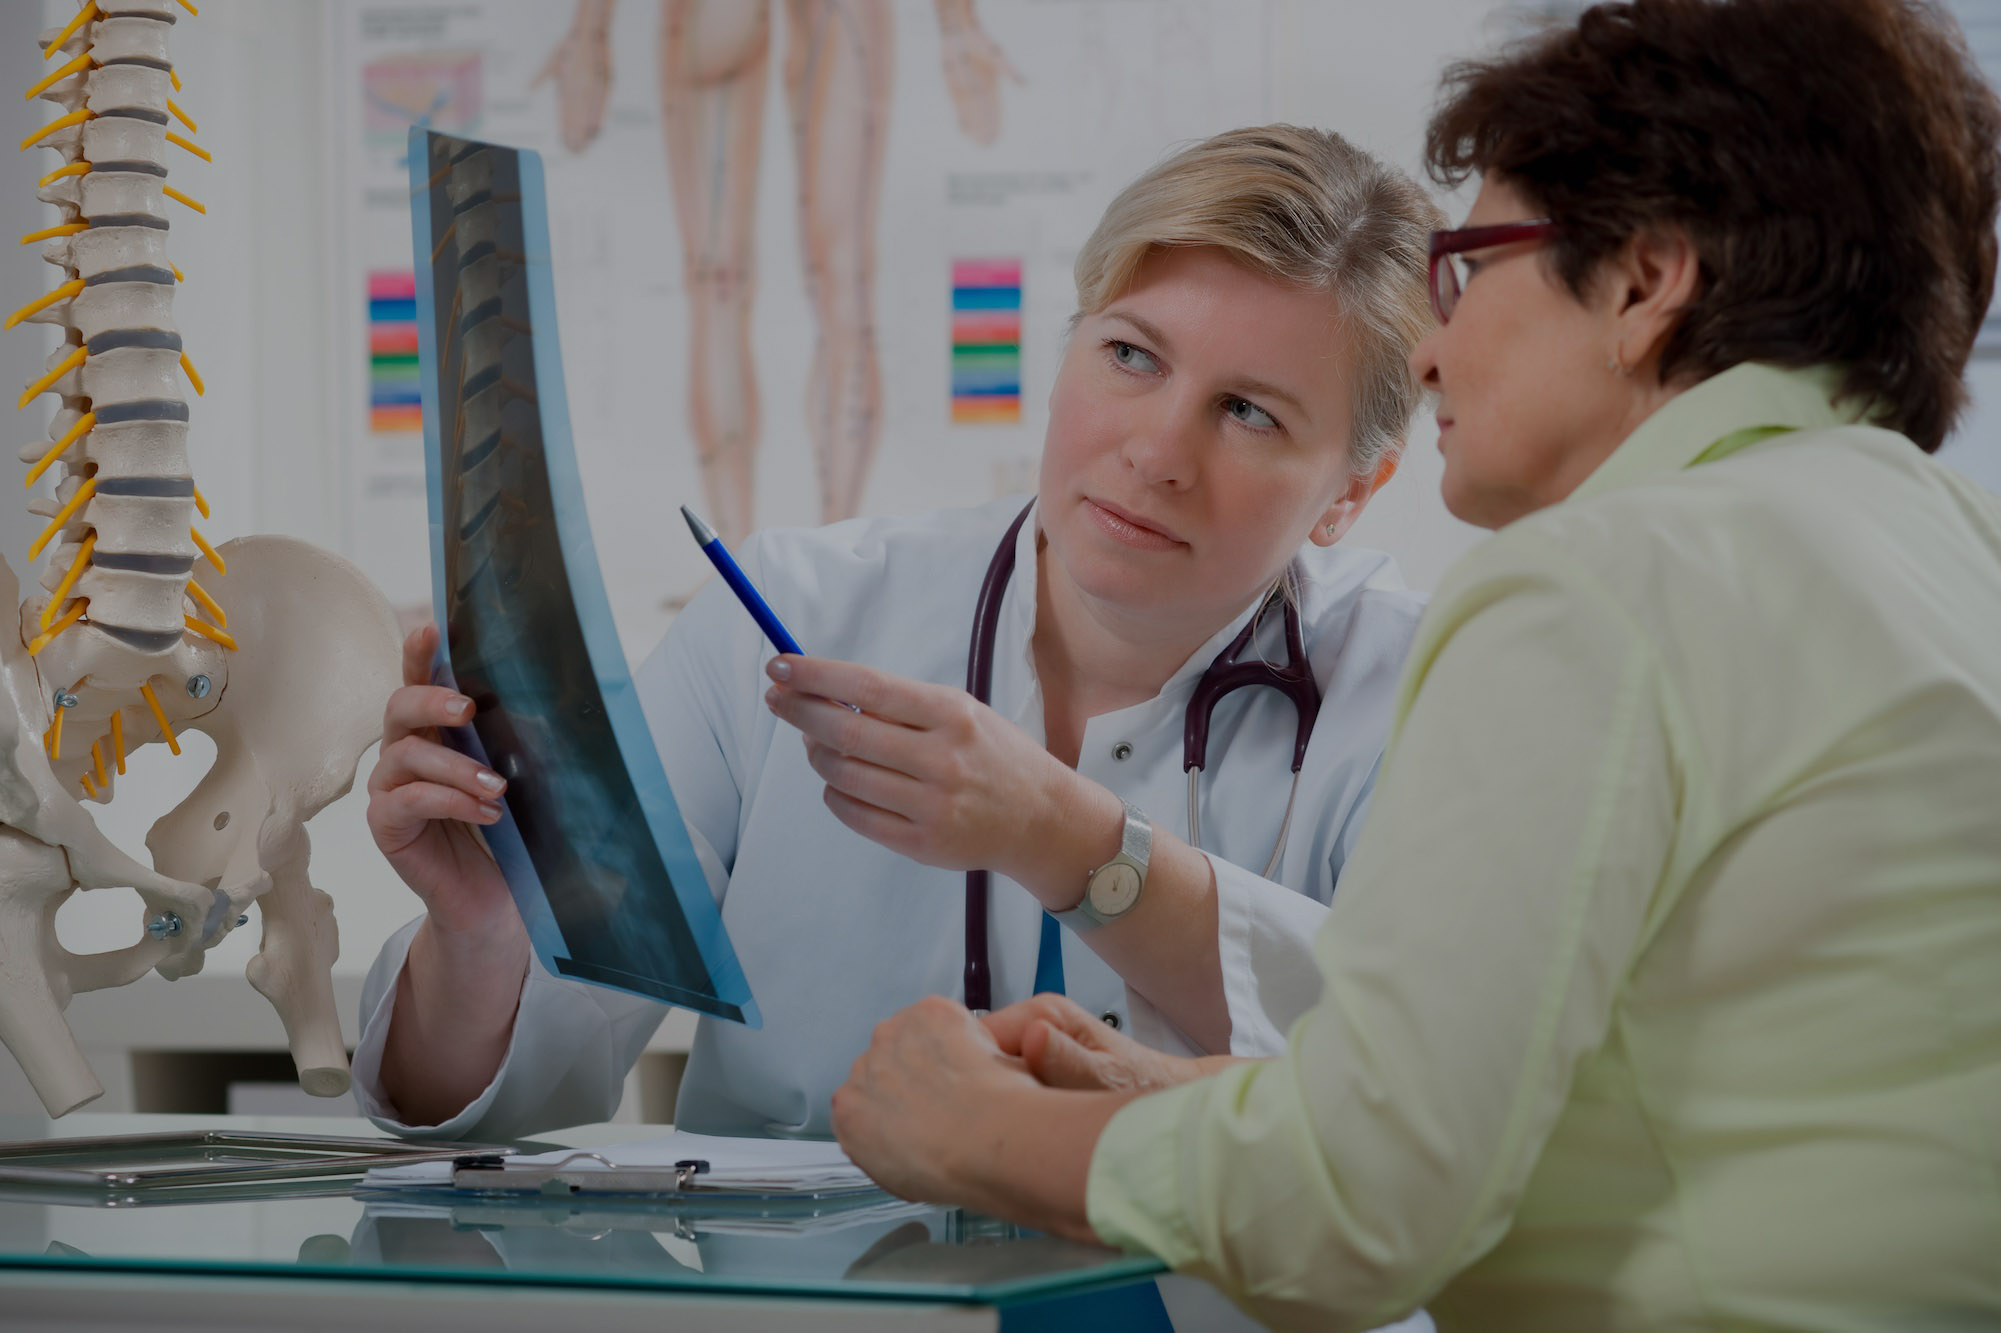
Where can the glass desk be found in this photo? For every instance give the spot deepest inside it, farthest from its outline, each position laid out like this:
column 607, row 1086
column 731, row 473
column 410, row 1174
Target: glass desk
column 274, row 1258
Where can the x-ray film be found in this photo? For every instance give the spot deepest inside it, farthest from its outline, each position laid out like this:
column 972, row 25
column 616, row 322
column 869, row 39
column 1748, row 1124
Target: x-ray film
column 590, row 838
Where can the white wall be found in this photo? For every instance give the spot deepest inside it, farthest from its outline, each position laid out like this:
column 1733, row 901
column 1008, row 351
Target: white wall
column 256, row 310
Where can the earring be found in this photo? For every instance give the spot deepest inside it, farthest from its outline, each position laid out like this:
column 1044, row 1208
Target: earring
column 1617, row 366
column 1332, row 530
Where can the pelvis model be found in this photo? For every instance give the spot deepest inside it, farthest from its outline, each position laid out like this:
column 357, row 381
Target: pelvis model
column 141, row 630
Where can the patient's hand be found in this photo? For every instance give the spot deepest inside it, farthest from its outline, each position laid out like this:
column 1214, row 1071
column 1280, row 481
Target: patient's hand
column 1065, row 1046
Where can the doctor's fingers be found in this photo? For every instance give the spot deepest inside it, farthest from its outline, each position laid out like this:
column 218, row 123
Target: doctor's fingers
column 420, row 649
column 914, row 703
column 417, row 708
column 399, row 814
column 861, row 735
column 886, row 828
column 420, row 759
column 891, row 789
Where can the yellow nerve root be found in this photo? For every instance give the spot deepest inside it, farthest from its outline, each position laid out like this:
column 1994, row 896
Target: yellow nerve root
column 190, row 8
column 176, row 78
column 188, row 144
column 69, row 363
column 56, row 736
column 97, row 762
column 202, row 506
column 178, row 275
column 50, row 233
column 195, row 380
column 80, row 63
column 48, row 636
column 180, row 198
column 83, row 16
column 73, row 169
column 88, row 790
column 70, row 436
column 36, row 306
column 208, row 631
column 182, row 117
column 209, row 551
column 75, row 571
column 64, row 515
column 118, row 741
column 153, row 702
column 207, row 603
column 76, row 117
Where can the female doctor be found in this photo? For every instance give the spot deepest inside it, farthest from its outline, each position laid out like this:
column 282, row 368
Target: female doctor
column 1234, row 389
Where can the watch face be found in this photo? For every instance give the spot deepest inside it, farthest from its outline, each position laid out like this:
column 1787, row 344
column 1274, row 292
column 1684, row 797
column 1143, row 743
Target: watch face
column 1114, row 888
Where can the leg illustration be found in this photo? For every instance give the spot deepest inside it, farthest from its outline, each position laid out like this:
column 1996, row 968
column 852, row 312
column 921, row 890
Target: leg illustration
column 974, row 64
column 581, row 67
column 713, row 56
column 839, row 59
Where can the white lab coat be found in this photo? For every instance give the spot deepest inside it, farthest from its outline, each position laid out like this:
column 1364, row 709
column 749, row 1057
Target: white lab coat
column 835, row 933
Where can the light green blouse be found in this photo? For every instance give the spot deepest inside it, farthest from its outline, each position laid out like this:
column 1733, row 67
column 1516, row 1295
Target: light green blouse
column 1663, row 990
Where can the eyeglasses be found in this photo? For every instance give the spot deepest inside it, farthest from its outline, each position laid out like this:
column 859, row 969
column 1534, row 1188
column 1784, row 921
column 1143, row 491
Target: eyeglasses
column 1448, row 272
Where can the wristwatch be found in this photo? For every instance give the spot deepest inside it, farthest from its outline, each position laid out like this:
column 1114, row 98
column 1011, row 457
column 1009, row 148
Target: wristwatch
column 1113, row 889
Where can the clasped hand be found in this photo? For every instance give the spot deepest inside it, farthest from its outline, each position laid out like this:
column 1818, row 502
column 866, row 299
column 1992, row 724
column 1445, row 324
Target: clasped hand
column 928, row 1108
column 928, row 771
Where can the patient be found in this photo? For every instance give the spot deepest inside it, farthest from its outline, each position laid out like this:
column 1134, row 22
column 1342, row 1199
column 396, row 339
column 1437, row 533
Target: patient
column 1661, row 991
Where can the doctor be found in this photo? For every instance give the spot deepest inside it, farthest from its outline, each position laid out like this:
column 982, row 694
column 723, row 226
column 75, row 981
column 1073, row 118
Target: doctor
column 1234, row 389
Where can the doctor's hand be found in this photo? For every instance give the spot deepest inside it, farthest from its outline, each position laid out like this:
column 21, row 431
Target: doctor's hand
column 1064, row 1045
column 930, row 772
column 424, row 798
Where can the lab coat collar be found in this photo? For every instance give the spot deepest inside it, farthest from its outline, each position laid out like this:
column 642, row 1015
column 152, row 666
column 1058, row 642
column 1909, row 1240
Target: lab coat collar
column 1749, row 397
column 1019, row 610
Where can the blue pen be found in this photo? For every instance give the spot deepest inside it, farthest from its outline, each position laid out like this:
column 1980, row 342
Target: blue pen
column 719, row 556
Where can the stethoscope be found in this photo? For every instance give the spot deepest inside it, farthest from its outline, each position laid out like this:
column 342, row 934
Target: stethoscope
column 1225, row 675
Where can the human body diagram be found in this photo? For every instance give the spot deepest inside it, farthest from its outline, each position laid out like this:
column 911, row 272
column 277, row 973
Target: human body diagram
column 714, row 58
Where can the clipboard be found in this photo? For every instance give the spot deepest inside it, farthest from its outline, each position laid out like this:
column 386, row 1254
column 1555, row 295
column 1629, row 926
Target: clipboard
column 492, row 1175
column 131, row 1170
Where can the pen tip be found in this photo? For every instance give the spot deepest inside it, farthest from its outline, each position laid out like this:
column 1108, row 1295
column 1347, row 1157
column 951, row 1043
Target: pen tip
column 704, row 534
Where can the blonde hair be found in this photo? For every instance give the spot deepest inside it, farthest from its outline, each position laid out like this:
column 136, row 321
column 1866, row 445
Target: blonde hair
column 1301, row 206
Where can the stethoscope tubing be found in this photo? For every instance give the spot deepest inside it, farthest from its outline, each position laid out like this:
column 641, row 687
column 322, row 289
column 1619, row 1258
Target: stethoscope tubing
column 1224, row 675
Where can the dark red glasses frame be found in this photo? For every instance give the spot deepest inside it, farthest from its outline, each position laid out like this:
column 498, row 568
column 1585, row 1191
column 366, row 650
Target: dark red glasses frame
column 1444, row 279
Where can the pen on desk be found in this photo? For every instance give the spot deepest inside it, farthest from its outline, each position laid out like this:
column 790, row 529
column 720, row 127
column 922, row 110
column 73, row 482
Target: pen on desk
column 719, row 556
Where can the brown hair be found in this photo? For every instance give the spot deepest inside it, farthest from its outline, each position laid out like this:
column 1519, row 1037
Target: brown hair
column 1301, row 206
column 1836, row 164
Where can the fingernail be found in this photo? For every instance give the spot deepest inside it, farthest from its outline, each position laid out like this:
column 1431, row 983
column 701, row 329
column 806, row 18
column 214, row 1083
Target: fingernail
column 489, row 811
column 771, row 697
column 490, row 780
column 459, row 706
column 779, row 669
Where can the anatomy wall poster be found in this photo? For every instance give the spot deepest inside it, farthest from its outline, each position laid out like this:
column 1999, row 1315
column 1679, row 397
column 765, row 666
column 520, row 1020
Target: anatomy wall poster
column 764, row 218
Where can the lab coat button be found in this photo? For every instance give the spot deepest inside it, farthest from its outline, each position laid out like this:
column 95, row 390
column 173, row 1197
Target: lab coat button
column 1122, row 751
column 1112, row 1019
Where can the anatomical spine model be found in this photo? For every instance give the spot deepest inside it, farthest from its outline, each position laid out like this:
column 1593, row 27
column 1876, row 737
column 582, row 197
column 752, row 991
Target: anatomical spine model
column 280, row 653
